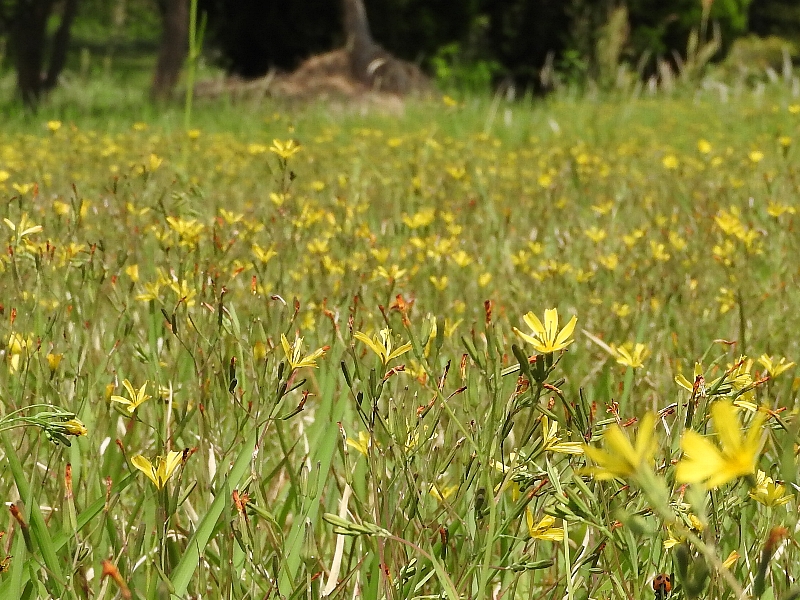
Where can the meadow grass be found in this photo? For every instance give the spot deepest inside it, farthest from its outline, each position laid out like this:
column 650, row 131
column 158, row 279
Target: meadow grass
column 303, row 352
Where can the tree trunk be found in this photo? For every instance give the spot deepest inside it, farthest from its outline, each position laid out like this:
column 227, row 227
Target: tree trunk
column 28, row 37
column 360, row 46
column 173, row 48
column 58, row 54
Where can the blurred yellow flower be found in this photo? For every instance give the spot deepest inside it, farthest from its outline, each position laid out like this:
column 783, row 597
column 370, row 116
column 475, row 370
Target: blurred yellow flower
column 362, row 444
column 285, row 149
column 769, row 493
column 53, row 361
column 631, row 358
column 546, row 337
column 774, row 368
column 595, row 234
column 160, row 469
column 54, row 125
column 16, row 347
column 24, row 228
column 621, row 459
column 132, row 271
column 703, row 462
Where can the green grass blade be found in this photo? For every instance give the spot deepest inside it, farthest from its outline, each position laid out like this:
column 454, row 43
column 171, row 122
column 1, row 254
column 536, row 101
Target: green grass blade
column 183, row 572
column 38, row 527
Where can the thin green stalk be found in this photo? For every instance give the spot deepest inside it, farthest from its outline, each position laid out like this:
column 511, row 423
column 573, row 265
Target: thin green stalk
column 191, row 64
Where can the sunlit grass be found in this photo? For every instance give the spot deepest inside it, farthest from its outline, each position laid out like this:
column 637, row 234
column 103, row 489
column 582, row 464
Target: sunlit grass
column 289, row 338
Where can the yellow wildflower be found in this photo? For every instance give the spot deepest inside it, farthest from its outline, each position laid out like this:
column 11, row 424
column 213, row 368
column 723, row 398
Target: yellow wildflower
column 543, row 530
column 294, row 354
column 285, row 149
column 136, row 397
column 552, row 441
column 160, row 469
column 382, row 345
column 703, row 462
column 767, row 492
column 774, row 368
column 631, row 358
column 623, row 459
column 546, row 338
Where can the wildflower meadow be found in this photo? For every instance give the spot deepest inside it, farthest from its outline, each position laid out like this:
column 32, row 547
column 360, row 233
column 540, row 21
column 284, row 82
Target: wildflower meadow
column 481, row 349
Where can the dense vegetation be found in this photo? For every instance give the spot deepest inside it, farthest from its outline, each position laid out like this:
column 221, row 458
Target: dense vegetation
column 304, row 353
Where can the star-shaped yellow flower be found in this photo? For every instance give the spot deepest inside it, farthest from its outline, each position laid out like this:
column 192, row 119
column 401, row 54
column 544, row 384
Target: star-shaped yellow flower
column 546, row 337
column 703, row 462
column 294, row 353
column 136, row 397
column 382, row 345
column 160, row 469
column 622, row 459
column 285, row 149
column 543, row 530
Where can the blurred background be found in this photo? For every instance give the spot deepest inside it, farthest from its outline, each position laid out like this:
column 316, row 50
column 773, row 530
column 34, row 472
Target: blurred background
column 467, row 46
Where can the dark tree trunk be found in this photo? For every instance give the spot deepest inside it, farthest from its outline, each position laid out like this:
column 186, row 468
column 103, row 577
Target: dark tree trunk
column 58, row 54
column 360, row 45
column 370, row 63
column 173, row 48
column 28, row 38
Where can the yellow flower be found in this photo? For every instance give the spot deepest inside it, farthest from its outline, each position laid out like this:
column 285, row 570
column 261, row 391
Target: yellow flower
column 595, row 234
column 774, row 369
column 546, row 338
column 553, row 443
column 382, row 345
column 17, row 346
column 54, row 125
column 703, row 462
column 24, row 228
column 285, row 149
column 264, row 255
column 731, row 560
column 440, row 283
column 767, row 492
column 704, row 146
column 136, row 397
column 259, row 351
column 294, row 354
column 161, row 469
column 442, row 494
column 622, row 459
column 362, row 444
column 132, row 271
column 543, row 530
column 151, row 292
column 53, row 361
column 74, row 427
column 634, row 359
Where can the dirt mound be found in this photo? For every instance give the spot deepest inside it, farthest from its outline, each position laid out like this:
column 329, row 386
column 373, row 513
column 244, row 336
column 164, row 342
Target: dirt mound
column 330, row 76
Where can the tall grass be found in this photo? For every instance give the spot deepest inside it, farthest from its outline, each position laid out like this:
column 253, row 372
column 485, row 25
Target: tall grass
column 338, row 403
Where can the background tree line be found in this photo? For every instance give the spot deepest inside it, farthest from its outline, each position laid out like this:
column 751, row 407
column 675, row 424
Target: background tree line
column 497, row 39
